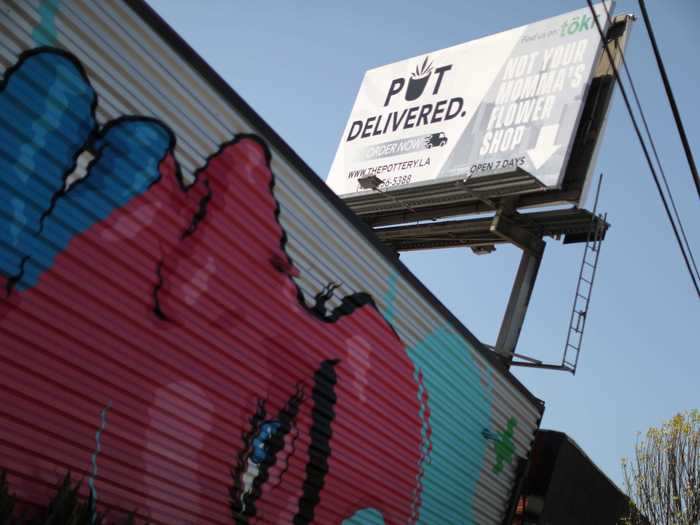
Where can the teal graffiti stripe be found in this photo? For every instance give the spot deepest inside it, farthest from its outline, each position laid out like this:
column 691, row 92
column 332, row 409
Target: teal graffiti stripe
column 365, row 517
column 458, row 416
column 389, row 299
column 45, row 34
column 426, row 445
column 98, row 449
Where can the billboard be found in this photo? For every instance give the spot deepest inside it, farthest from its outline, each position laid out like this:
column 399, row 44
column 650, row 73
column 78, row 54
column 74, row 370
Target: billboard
column 507, row 101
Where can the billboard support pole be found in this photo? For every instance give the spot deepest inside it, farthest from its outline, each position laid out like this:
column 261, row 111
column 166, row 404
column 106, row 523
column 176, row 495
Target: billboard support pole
column 523, row 285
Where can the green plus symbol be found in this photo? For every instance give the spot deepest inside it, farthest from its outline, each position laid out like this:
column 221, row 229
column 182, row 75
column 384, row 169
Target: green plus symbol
column 503, row 444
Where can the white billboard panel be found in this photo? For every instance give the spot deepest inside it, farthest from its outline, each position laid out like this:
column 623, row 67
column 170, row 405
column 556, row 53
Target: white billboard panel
column 509, row 100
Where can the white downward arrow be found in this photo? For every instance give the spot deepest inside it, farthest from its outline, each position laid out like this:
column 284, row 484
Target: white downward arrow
column 545, row 146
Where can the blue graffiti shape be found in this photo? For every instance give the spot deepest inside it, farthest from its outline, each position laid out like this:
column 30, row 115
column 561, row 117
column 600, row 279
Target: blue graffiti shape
column 261, row 441
column 48, row 133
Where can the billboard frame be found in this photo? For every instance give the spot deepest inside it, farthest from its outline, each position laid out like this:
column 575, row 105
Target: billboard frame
column 417, row 203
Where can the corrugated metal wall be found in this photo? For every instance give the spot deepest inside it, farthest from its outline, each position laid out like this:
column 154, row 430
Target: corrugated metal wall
column 203, row 341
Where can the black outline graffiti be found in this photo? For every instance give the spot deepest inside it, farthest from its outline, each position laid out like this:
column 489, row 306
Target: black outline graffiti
column 245, row 509
column 14, row 279
column 322, row 416
column 200, row 213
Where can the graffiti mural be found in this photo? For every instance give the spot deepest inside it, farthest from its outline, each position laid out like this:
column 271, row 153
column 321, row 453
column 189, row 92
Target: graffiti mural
column 159, row 342
column 156, row 282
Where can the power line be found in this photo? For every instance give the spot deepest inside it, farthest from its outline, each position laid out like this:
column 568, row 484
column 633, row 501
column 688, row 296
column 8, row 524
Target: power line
column 671, row 98
column 656, row 154
column 643, row 145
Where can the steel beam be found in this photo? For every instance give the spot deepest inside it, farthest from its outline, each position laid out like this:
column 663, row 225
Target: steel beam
column 505, row 227
column 514, row 316
column 572, row 223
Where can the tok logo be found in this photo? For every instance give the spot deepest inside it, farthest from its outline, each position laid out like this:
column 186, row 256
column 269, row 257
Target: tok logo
column 577, row 24
column 417, row 81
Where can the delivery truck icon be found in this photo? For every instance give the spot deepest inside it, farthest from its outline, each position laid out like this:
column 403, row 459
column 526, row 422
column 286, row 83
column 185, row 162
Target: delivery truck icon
column 436, row 139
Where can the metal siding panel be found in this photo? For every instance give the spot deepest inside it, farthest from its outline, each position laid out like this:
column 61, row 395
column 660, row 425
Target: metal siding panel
column 178, row 310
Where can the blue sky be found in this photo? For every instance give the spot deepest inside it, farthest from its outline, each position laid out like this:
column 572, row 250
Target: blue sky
column 299, row 65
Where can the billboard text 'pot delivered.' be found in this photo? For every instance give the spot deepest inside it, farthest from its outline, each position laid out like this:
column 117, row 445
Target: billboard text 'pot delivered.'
column 412, row 88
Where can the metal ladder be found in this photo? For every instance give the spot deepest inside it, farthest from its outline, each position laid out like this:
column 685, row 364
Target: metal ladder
column 584, row 287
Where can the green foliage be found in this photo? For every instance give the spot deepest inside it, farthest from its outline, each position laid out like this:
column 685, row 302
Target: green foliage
column 663, row 479
column 7, row 500
column 65, row 508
